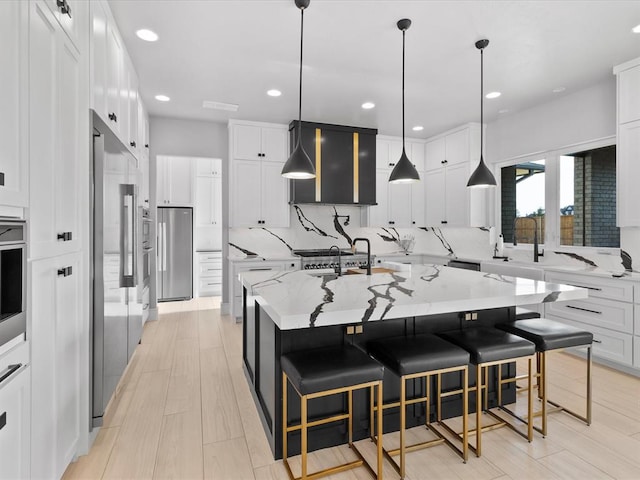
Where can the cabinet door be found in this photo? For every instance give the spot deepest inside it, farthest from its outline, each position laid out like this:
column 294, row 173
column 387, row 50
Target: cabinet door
column 395, row 152
column 14, row 37
column 457, row 147
column 70, row 18
column 216, row 200
column 418, row 212
column 400, row 205
column 379, row 214
column 435, row 197
column 416, row 152
column 274, row 144
column 204, row 195
column 245, row 194
column 204, row 167
column 275, row 204
column 629, row 95
column 99, row 76
column 162, row 177
column 456, row 197
column 15, row 433
column 247, row 142
column 628, row 156
column 382, row 153
column 115, row 60
column 435, row 152
column 181, row 181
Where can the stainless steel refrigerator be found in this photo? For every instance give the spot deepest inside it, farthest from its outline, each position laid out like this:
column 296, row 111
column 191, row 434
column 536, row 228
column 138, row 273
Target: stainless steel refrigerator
column 175, row 247
column 117, row 310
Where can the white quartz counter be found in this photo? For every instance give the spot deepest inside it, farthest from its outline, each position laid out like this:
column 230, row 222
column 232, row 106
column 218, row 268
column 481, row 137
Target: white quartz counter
column 303, row 299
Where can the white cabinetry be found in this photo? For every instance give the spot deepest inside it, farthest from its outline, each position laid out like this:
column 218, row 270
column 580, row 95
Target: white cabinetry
column 14, row 38
column 628, row 144
column 208, row 192
column 259, row 195
column 449, row 158
column 56, row 339
column 55, row 100
column 607, row 313
column 209, row 273
column 15, row 413
column 175, row 181
column 66, row 12
column 389, row 150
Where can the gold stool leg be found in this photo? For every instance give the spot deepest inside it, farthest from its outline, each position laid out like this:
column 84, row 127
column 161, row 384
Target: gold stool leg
column 427, row 390
column 372, row 431
column 530, row 402
column 303, row 436
column 499, row 384
column 539, row 371
column 380, row 430
column 439, row 413
column 350, row 399
column 478, row 410
column 589, row 365
column 403, row 420
column 465, row 414
column 284, row 417
column 542, row 382
column 486, row 386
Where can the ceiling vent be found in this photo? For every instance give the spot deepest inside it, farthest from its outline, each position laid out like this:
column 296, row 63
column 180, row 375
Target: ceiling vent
column 228, row 107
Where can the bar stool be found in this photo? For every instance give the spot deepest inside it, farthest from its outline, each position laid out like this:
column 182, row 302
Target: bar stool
column 550, row 335
column 319, row 373
column 490, row 347
column 420, row 356
column 523, row 313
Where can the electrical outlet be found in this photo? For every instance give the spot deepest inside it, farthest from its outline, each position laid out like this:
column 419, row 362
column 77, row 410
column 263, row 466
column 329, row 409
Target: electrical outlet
column 350, row 330
column 358, row 329
column 474, row 316
column 467, row 316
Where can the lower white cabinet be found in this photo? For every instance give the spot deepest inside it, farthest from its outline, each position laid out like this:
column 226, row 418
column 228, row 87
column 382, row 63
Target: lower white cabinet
column 209, row 273
column 15, row 427
column 56, row 339
column 636, row 352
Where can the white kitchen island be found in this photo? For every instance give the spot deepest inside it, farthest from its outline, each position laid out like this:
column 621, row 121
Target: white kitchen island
column 299, row 310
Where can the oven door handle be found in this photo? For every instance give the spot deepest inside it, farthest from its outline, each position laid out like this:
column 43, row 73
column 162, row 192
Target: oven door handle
column 11, row 369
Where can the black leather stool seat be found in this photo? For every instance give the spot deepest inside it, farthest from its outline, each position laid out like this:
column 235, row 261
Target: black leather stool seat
column 548, row 334
column 323, row 369
column 417, row 353
column 523, row 314
column 489, row 344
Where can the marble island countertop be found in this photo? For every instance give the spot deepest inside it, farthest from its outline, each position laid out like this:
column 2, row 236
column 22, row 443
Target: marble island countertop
column 303, row 299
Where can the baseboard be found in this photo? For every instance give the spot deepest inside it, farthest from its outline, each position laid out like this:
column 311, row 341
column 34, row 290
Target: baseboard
column 225, row 308
column 153, row 314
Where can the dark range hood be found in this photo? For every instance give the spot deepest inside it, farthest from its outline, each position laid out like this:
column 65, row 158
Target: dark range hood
column 345, row 161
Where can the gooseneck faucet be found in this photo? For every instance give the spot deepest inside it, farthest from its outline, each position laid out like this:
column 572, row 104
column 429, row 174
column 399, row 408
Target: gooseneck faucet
column 536, row 254
column 338, row 267
column 353, row 247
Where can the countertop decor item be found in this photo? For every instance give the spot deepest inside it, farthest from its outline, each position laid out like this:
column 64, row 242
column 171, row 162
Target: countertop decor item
column 404, row 171
column 481, row 176
column 299, row 164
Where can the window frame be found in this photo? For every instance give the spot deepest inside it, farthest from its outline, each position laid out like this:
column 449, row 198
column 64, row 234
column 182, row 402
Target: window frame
column 551, row 194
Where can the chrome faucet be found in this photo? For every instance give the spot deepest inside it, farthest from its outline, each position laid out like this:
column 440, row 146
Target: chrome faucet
column 353, row 247
column 536, row 254
column 337, row 268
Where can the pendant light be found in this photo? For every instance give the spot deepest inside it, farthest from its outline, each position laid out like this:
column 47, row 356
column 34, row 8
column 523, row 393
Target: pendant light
column 404, row 171
column 299, row 165
column 481, row 176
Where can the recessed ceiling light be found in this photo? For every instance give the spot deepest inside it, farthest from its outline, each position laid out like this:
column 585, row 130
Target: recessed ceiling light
column 418, row 128
column 493, row 94
column 636, row 29
column 504, row 110
column 274, row 93
column 368, row 105
column 162, row 98
column 559, row 89
column 147, row 35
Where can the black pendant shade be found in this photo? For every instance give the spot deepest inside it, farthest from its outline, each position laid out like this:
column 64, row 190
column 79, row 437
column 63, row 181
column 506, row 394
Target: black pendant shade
column 299, row 165
column 404, row 171
column 481, row 176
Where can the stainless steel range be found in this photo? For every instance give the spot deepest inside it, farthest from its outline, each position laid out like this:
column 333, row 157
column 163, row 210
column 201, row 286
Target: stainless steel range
column 316, row 259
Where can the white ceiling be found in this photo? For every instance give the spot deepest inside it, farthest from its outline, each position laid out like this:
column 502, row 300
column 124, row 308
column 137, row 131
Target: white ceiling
column 233, row 51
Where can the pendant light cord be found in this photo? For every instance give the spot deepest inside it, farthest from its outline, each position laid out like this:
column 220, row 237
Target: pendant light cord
column 300, row 89
column 403, row 34
column 481, row 100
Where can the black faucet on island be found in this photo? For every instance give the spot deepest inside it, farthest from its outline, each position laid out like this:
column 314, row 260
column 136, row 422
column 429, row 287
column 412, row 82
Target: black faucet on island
column 536, row 254
column 338, row 267
column 353, row 247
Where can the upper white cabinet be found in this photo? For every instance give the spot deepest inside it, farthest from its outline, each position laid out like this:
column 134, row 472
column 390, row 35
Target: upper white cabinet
column 208, row 192
column 14, row 38
column 175, row 181
column 389, row 150
column 259, row 193
column 67, row 13
column 448, row 149
column 55, row 100
column 628, row 144
column 253, row 142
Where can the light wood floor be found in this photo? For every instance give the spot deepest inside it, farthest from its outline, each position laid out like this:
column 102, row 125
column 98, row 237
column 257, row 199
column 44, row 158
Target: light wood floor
column 183, row 410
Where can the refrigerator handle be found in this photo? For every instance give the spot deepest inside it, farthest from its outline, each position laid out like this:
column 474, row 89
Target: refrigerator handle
column 164, row 246
column 127, row 228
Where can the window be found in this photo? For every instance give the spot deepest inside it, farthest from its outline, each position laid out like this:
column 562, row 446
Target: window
column 567, row 197
column 522, row 187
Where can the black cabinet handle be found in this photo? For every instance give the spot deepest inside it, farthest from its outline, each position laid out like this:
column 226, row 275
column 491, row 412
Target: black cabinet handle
column 413, row 223
column 392, row 164
column 113, row 117
column 146, row 145
column 64, row 7
column 597, row 341
column 391, row 222
column 9, row 371
column 3, row 420
column 65, row 236
column 65, row 272
column 133, row 144
column 584, row 310
column 2, row 179
column 443, row 222
column 584, row 286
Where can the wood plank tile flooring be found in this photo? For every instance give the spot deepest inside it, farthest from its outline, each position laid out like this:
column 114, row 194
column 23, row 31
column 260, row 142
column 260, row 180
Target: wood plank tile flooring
column 183, row 410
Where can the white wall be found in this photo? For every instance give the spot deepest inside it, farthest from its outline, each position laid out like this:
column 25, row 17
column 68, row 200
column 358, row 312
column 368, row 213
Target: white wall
column 582, row 116
column 189, row 138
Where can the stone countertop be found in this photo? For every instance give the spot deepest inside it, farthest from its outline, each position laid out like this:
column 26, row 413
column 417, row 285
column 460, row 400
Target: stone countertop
column 303, row 299
column 277, row 258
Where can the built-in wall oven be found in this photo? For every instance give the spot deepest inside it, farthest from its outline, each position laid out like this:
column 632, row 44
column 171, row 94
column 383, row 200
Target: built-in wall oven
column 13, row 279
